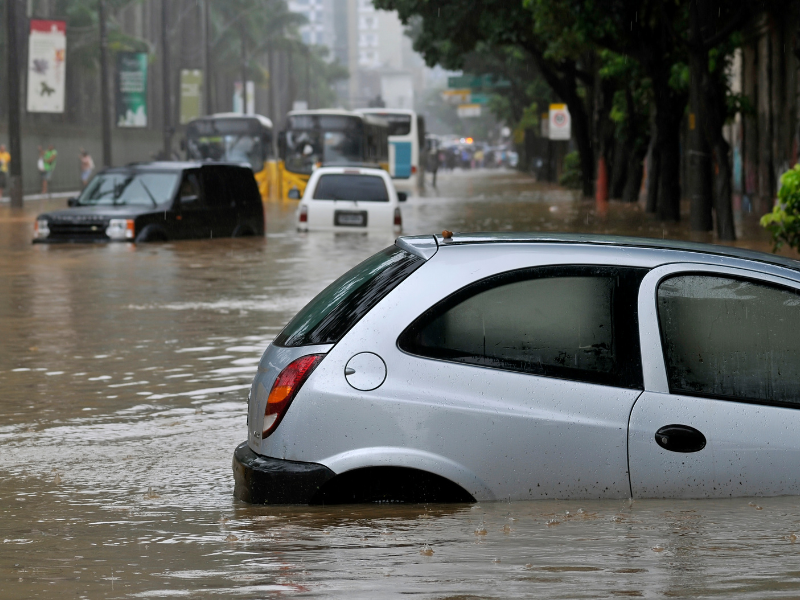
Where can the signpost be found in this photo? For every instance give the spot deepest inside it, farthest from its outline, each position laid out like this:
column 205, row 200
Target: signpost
column 131, row 89
column 47, row 54
column 191, row 88
column 560, row 125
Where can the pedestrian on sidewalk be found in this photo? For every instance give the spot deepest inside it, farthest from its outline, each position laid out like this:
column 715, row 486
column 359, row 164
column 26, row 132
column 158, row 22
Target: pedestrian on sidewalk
column 87, row 166
column 49, row 159
column 40, row 168
column 5, row 159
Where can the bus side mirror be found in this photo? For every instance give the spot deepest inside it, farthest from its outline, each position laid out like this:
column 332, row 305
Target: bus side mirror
column 402, row 196
column 282, row 145
column 294, row 194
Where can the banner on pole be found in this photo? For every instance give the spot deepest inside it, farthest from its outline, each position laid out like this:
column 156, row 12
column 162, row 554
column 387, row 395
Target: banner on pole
column 191, row 90
column 47, row 56
column 131, row 89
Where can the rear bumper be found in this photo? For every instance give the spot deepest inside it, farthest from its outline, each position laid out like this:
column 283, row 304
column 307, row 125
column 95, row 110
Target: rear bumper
column 265, row 480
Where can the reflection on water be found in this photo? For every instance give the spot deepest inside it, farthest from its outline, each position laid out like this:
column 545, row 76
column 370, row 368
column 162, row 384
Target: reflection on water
column 123, row 373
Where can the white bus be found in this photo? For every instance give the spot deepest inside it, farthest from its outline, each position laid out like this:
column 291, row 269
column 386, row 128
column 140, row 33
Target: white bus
column 406, row 145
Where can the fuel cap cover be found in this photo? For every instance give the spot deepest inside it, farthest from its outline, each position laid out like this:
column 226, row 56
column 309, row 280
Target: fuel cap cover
column 365, row 371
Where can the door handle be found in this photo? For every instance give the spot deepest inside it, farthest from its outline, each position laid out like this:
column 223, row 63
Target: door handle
column 680, row 438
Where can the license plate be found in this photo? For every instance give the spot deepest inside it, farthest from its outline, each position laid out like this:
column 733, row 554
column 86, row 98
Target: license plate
column 350, row 218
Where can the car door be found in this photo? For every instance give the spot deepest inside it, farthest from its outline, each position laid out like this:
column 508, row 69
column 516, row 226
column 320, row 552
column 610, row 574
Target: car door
column 527, row 378
column 221, row 212
column 192, row 212
column 721, row 409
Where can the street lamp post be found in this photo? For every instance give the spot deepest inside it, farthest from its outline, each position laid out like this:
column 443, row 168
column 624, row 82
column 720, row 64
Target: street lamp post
column 14, row 113
column 165, row 82
column 105, row 109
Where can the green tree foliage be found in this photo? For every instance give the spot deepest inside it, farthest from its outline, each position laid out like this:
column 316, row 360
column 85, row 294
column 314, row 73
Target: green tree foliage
column 450, row 30
column 783, row 222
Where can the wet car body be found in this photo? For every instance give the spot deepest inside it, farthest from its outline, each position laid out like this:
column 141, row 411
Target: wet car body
column 489, row 367
column 350, row 199
column 189, row 200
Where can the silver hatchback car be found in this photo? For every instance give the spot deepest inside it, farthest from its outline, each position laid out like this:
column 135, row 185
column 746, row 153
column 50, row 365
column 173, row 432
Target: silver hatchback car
column 485, row 367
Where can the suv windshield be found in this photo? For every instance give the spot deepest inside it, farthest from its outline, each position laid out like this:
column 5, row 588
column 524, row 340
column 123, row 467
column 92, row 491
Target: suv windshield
column 363, row 188
column 341, row 305
column 146, row 189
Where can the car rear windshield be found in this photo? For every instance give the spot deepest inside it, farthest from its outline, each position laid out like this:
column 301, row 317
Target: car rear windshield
column 341, row 305
column 363, row 188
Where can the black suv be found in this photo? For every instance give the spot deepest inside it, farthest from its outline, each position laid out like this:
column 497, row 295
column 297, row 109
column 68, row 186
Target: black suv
column 159, row 201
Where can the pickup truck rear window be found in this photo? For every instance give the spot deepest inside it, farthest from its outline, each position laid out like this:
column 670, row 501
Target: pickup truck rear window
column 362, row 188
column 341, row 305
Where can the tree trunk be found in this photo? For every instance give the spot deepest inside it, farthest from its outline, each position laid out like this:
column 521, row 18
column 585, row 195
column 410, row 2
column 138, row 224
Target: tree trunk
column 699, row 184
column 653, row 172
column 634, row 172
column 623, row 149
column 669, row 110
column 566, row 88
column 668, row 204
column 712, row 111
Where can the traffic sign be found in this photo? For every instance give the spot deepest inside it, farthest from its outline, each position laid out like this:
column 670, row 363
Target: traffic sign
column 560, row 125
column 477, row 82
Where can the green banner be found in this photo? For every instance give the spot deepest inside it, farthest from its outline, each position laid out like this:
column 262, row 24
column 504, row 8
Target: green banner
column 131, row 89
column 191, row 90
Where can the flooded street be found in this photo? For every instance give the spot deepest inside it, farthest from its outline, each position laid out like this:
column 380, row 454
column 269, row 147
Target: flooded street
column 123, row 381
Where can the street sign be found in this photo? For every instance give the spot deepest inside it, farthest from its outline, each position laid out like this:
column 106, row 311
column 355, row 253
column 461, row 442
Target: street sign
column 459, row 96
column 560, row 125
column 469, row 110
column 477, row 82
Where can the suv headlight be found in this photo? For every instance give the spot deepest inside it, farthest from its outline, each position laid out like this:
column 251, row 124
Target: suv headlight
column 41, row 228
column 120, row 229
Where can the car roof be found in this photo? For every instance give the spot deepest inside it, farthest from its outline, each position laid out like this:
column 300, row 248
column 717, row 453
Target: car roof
column 169, row 165
column 350, row 170
column 426, row 245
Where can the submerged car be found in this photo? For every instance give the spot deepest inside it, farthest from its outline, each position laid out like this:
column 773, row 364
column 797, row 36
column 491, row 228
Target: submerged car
column 492, row 367
column 349, row 198
column 159, row 201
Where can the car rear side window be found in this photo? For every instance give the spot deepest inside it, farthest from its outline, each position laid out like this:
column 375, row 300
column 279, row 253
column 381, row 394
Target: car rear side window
column 362, row 188
column 731, row 338
column 341, row 305
column 570, row 322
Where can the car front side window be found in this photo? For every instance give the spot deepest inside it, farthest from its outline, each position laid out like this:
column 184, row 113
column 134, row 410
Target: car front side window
column 189, row 193
column 731, row 338
column 569, row 322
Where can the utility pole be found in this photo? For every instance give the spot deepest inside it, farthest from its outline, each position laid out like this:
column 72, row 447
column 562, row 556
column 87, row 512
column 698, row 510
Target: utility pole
column 244, row 69
column 165, row 82
column 308, row 76
column 105, row 108
column 14, row 113
column 207, row 108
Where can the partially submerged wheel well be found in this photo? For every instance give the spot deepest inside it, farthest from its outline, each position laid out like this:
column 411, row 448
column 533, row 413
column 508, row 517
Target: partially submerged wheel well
column 389, row 484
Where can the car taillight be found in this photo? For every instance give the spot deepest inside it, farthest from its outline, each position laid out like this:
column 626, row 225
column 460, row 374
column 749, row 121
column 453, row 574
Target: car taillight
column 304, row 214
column 285, row 389
column 398, row 218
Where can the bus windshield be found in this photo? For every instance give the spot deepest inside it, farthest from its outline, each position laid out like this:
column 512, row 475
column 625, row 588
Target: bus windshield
column 399, row 124
column 322, row 140
column 233, row 140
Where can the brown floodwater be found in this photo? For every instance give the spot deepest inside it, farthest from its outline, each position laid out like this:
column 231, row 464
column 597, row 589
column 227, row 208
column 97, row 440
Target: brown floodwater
column 123, row 382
